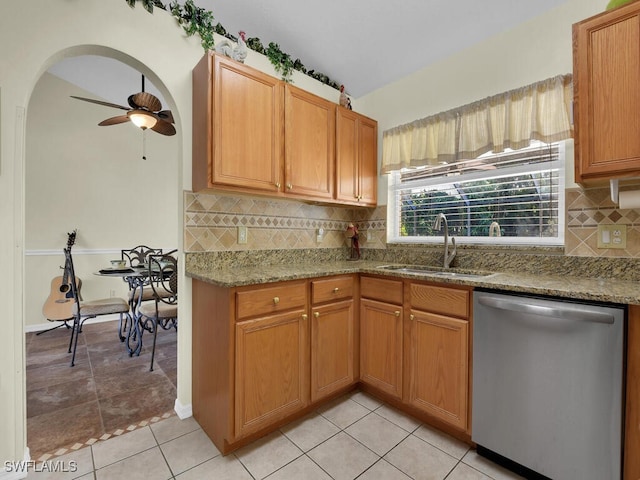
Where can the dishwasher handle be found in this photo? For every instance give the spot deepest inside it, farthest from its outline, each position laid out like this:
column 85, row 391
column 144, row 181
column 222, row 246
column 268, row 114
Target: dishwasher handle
column 557, row 311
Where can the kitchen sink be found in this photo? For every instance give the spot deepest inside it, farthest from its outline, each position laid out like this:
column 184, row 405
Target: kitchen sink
column 431, row 271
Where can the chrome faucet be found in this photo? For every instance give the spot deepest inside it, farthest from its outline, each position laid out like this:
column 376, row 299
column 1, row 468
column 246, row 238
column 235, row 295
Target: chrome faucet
column 447, row 258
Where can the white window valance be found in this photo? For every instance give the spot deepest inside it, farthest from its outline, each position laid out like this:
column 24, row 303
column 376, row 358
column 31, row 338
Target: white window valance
column 540, row 111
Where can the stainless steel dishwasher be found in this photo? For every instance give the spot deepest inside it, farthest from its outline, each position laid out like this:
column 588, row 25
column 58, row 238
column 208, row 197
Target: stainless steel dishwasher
column 547, row 385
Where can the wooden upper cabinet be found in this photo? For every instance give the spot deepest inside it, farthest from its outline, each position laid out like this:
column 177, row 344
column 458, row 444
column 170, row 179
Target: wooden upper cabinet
column 255, row 134
column 606, row 69
column 309, row 144
column 356, row 158
column 237, row 125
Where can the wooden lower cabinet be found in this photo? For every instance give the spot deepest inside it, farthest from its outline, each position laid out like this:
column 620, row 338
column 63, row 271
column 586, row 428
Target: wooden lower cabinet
column 264, row 354
column 381, row 346
column 270, row 370
column 438, row 372
column 332, row 348
column 437, row 352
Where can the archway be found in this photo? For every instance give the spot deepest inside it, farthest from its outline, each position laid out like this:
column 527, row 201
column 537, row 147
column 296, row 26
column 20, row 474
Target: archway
column 79, row 175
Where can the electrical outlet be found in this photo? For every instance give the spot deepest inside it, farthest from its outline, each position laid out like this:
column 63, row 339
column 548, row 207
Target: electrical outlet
column 612, row 236
column 319, row 235
column 242, row 235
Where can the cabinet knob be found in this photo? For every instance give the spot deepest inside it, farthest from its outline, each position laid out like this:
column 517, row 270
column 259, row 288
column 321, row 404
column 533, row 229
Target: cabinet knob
column 276, row 300
column 316, row 314
column 277, row 184
column 335, row 290
column 305, row 316
column 397, row 313
column 412, row 316
column 289, row 186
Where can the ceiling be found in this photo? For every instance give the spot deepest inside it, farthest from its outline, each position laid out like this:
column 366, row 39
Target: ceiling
column 362, row 48
column 369, row 43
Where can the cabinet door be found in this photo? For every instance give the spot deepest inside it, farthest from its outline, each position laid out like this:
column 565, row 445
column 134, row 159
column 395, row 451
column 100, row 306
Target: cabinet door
column 247, row 141
column 347, row 154
column 332, row 348
column 381, row 346
column 356, row 158
column 438, row 363
column 606, row 94
column 309, row 144
column 271, row 360
column 368, row 172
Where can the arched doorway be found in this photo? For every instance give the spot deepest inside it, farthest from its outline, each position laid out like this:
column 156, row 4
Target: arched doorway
column 79, row 175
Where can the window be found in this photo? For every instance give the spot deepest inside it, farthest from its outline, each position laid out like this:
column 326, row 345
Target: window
column 518, row 196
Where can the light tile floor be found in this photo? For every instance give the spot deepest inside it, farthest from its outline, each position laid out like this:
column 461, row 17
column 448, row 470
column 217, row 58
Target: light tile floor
column 355, row 436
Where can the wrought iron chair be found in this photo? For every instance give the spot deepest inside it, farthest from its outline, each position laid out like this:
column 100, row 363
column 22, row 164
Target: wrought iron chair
column 82, row 311
column 163, row 312
column 136, row 257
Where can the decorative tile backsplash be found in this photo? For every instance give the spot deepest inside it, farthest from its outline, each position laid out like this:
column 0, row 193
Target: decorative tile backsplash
column 588, row 208
column 212, row 220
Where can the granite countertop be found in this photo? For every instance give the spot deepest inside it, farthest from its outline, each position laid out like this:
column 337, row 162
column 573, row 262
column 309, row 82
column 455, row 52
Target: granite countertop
column 596, row 289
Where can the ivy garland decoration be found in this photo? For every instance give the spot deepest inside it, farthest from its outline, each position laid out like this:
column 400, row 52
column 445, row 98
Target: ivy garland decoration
column 196, row 20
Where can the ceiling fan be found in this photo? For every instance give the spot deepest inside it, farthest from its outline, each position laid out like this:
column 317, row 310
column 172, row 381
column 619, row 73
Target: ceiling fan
column 145, row 112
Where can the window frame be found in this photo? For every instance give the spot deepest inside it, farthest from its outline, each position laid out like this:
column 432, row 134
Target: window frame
column 394, row 217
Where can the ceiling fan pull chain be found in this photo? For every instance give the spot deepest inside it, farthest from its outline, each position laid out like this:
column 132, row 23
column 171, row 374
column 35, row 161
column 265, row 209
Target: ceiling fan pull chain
column 144, row 144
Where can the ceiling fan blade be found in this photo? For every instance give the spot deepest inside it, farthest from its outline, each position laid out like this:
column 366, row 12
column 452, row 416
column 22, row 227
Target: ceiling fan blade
column 100, row 102
column 114, row 120
column 145, row 100
column 166, row 115
column 164, row 128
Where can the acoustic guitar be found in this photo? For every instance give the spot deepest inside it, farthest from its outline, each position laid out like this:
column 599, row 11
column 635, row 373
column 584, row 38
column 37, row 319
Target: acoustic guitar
column 59, row 303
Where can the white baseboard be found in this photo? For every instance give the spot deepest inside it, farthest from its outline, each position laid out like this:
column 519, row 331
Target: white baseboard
column 45, row 326
column 183, row 411
column 15, row 471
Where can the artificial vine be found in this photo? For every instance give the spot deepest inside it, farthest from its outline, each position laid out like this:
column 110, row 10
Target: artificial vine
column 198, row 20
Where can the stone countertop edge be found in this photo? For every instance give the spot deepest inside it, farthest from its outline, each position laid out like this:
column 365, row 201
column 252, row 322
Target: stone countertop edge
column 593, row 289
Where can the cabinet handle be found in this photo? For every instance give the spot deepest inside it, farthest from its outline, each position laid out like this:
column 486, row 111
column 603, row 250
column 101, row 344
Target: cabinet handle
column 316, row 314
column 335, row 290
column 289, row 186
column 397, row 313
column 276, row 300
column 412, row 316
column 278, row 185
column 305, row 316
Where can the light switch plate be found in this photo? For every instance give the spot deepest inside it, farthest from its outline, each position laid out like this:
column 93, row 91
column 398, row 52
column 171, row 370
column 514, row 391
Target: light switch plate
column 612, row 236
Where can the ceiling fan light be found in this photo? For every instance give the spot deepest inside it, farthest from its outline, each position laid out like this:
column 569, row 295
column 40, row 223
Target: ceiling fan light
column 142, row 119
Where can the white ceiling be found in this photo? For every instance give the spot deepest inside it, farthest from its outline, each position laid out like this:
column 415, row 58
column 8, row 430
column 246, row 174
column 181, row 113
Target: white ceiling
column 362, row 44
column 365, row 44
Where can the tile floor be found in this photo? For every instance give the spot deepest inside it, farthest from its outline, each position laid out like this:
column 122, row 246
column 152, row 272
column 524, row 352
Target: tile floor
column 105, row 392
column 355, row 436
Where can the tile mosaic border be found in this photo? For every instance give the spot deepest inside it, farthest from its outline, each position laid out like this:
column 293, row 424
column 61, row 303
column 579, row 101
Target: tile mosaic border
column 106, row 436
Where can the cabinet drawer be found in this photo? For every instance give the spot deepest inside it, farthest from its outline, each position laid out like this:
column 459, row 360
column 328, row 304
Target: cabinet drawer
column 443, row 300
column 267, row 300
column 381, row 289
column 329, row 289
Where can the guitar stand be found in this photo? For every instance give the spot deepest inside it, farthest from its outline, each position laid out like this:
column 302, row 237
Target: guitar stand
column 63, row 324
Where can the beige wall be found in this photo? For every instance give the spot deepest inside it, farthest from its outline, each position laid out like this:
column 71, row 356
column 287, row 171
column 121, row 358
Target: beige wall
column 533, row 51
